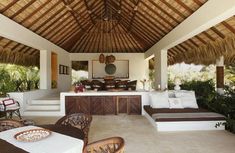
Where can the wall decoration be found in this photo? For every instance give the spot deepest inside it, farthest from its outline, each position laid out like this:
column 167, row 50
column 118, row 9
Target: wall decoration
column 118, row 69
column 63, row 69
column 110, row 69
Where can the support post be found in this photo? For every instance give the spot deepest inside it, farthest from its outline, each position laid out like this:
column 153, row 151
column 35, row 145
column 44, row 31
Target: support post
column 220, row 75
column 45, row 69
column 160, row 66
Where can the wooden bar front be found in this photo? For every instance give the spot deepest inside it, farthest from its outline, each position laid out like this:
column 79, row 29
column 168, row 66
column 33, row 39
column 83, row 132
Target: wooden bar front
column 103, row 105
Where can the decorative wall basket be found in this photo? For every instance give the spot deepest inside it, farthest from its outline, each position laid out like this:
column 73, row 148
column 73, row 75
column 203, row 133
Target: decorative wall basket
column 110, row 69
column 101, row 58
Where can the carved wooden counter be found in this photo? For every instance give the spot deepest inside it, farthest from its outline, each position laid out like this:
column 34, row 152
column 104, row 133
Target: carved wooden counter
column 104, row 103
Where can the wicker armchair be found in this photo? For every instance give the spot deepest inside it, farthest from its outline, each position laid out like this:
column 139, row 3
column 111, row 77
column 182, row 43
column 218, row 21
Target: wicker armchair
column 109, row 145
column 78, row 120
column 9, row 124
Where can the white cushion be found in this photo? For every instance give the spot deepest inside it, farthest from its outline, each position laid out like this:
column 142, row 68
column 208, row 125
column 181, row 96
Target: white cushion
column 188, row 98
column 175, row 103
column 159, row 99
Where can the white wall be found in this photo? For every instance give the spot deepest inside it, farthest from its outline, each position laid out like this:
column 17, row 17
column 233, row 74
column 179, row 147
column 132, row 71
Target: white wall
column 138, row 66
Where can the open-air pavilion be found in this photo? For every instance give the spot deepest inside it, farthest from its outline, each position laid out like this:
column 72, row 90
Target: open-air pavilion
column 116, row 39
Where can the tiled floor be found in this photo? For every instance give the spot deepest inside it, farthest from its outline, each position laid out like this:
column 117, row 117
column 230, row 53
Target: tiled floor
column 141, row 137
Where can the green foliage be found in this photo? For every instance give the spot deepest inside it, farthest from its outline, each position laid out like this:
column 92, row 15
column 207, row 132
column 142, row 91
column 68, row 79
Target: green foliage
column 17, row 78
column 208, row 98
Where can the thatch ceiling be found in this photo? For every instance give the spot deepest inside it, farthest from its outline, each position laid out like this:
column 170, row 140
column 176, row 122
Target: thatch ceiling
column 16, row 53
column 114, row 25
column 207, row 46
column 100, row 25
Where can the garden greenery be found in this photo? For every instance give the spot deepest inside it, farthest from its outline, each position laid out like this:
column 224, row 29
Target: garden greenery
column 18, row 78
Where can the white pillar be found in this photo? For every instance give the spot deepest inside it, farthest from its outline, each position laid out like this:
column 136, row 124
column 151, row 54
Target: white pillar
column 220, row 75
column 160, row 66
column 45, row 69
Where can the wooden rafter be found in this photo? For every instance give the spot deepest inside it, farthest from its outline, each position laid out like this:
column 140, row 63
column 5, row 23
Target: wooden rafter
column 74, row 14
column 13, row 2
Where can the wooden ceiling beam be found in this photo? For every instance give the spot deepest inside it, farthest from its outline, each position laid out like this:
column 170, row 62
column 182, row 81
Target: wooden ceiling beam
column 132, row 41
column 134, row 11
column 61, row 31
column 56, row 23
column 198, row 2
column 8, row 43
column 208, row 36
column 188, row 44
column 173, row 9
column 50, row 18
column 228, row 26
column 82, row 39
column 43, row 14
column 147, row 15
column 88, row 40
column 67, row 37
column 53, row 23
column 147, row 26
column 93, row 41
column 143, row 31
column 155, row 27
column 13, row 2
column 118, row 44
column 164, row 11
column 22, row 9
column 215, row 30
column 34, row 12
column 126, row 40
column 17, row 45
column 138, row 36
column 200, row 39
column 73, row 13
column 182, row 4
column 193, row 42
column 127, row 49
column 89, row 11
column 158, row 15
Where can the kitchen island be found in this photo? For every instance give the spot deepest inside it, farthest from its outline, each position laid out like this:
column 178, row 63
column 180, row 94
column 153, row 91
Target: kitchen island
column 104, row 102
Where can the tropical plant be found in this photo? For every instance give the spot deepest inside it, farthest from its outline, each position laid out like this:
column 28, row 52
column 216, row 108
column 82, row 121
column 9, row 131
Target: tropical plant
column 17, row 78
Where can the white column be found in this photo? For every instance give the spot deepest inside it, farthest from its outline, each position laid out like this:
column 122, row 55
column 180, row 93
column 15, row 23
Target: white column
column 220, row 75
column 45, row 69
column 160, row 66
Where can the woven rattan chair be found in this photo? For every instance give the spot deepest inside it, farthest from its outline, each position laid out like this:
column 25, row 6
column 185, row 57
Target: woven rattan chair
column 109, row 145
column 9, row 124
column 78, row 120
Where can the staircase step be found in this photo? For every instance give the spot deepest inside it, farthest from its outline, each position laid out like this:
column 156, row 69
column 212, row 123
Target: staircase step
column 44, row 102
column 43, row 113
column 43, row 107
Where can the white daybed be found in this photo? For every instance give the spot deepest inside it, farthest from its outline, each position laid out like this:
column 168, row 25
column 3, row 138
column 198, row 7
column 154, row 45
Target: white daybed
column 165, row 118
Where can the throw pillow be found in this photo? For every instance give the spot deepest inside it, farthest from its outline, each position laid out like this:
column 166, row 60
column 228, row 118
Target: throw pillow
column 159, row 99
column 188, row 99
column 175, row 103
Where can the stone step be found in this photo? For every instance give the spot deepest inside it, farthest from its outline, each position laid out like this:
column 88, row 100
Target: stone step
column 42, row 107
column 42, row 113
column 45, row 102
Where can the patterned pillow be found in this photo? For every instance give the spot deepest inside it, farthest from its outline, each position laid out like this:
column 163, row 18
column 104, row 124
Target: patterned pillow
column 175, row 103
column 9, row 103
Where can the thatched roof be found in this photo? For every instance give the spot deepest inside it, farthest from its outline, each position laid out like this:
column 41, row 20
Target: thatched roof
column 100, row 25
column 16, row 53
column 86, row 26
column 207, row 46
